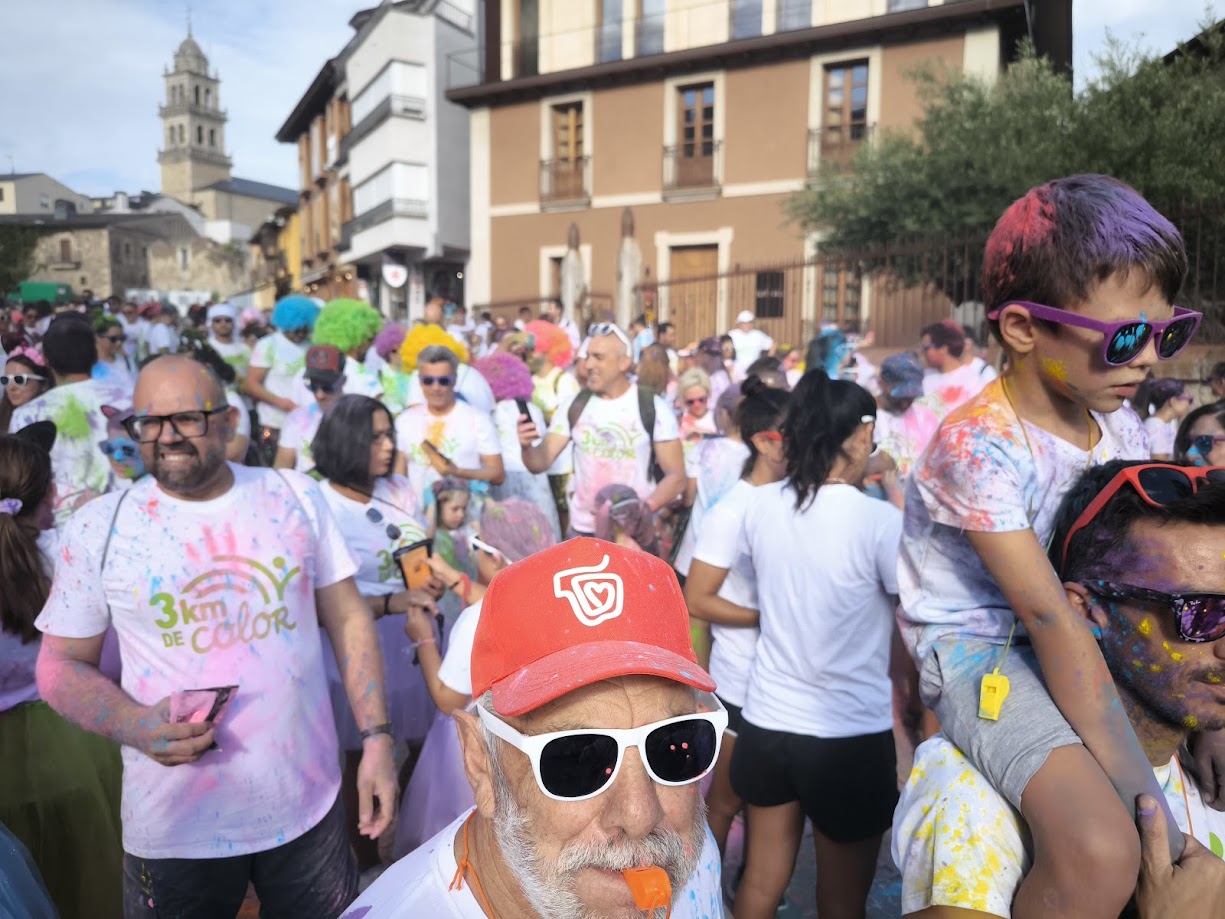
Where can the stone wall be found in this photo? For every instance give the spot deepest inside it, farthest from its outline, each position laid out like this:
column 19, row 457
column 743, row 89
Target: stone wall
column 198, row 264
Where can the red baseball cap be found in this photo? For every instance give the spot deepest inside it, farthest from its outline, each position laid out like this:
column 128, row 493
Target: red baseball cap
column 580, row 612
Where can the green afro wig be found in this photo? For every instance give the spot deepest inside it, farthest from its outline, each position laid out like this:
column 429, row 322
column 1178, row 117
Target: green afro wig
column 347, row 324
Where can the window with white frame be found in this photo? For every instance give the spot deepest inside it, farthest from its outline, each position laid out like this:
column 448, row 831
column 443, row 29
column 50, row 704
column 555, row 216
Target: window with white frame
column 396, row 79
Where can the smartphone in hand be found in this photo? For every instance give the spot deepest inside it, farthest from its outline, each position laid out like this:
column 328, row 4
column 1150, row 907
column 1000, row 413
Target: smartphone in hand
column 414, row 563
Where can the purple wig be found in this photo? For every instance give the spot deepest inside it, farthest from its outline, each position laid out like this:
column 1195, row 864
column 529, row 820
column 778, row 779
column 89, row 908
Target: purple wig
column 506, row 375
column 389, row 339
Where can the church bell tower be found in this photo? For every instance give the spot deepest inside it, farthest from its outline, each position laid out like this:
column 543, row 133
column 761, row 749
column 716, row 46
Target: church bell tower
column 193, row 125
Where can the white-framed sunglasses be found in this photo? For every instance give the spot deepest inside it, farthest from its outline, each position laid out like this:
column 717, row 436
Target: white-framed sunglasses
column 578, row 765
column 609, row 328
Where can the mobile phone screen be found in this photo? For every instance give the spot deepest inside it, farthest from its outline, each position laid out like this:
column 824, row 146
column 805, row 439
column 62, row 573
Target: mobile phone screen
column 414, row 563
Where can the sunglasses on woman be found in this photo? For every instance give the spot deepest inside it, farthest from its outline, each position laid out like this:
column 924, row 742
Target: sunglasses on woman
column 21, row 379
column 1125, row 340
column 1203, row 444
column 1158, row 484
column 700, row 400
column 375, row 516
column 1199, row 617
column 577, row 765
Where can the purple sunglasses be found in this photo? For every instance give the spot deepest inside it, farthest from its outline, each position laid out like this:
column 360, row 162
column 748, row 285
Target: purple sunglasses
column 1123, row 341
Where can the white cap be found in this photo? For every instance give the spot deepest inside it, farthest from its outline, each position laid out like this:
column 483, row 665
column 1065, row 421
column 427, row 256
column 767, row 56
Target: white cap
column 222, row 311
column 745, row 316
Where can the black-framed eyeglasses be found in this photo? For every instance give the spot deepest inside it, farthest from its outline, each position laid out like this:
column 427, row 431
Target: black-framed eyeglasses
column 116, row 339
column 375, row 516
column 146, row 429
column 21, row 379
column 1199, row 617
column 444, row 381
column 327, row 389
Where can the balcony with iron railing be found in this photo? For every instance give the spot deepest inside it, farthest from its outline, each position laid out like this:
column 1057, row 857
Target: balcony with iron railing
column 836, row 145
column 565, row 181
column 384, row 211
column 692, row 167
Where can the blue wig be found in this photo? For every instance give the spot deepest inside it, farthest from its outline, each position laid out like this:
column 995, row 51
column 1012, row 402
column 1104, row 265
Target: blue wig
column 828, row 351
column 294, row 312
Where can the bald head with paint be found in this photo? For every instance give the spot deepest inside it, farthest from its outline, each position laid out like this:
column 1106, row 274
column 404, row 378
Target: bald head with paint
column 187, row 457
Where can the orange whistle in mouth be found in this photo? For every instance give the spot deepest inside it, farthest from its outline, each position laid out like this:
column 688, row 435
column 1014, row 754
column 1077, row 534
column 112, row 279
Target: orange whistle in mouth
column 650, row 887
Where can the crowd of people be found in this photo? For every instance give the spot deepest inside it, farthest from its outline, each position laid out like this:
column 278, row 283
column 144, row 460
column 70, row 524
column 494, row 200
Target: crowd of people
column 481, row 617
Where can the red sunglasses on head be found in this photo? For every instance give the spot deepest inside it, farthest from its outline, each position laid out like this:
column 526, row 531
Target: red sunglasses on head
column 1158, row 484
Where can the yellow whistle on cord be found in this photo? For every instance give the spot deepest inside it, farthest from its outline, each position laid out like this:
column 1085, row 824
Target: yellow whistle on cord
column 991, row 695
column 650, row 887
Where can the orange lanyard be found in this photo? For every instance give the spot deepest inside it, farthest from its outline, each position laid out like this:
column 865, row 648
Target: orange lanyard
column 466, row 866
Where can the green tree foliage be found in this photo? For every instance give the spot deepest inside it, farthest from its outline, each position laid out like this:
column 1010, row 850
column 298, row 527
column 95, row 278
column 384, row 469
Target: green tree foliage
column 978, row 147
column 17, row 244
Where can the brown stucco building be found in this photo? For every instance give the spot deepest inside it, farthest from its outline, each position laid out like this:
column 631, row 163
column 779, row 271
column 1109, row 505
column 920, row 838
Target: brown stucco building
column 702, row 118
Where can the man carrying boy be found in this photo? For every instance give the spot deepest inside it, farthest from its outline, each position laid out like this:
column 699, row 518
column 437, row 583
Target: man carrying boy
column 1079, row 277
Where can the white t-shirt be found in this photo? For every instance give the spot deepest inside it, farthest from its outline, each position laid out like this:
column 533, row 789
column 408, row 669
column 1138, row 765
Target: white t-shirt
column 1161, row 435
column 506, row 420
column 464, row 435
column 134, row 331
column 731, row 655
column 959, row 386
column 468, row 383
column 716, row 464
column 117, row 375
column 456, row 668
column 215, row 593
column 750, row 346
column 611, row 447
column 298, row 433
column 367, row 540
column 284, row 362
column 161, row 338
column 418, row 885
column 822, row 662
column 235, row 353
column 233, row 398
column 978, row 475
column 959, row 843
column 80, row 470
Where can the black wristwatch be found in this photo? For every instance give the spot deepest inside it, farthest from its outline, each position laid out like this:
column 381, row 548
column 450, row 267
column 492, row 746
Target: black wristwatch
column 384, row 728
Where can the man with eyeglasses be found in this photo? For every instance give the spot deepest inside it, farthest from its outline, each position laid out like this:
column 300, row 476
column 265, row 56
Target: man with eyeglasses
column 443, row 436
column 75, row 405
column 612, row 444
column 217, row 579
column 593, row 725
column 324, row 379
column 1140, row 548
column 222, row 320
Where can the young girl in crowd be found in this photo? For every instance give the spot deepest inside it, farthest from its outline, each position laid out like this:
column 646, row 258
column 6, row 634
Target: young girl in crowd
column 26, row 377
column 816, row 733
column 59, row 785
column 1168, row 403
column 721, row 588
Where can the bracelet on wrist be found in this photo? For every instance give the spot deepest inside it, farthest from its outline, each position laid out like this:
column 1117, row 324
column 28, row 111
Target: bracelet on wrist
column 384, row 728
column 424, row 641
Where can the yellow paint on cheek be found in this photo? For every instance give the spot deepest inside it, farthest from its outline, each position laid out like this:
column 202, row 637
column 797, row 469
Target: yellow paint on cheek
column 1054, row 369
column 1175, row 656
column 1145, row 627
column 1156, row 668
column 1212, row 678
column 1190, row 722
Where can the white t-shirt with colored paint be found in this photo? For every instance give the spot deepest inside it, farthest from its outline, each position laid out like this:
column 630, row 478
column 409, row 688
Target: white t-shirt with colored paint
column 1161, row 435
column 235, row 353
column 611, row 447
column 284, row 362
column 959, row 843
column 464, row 435
column 419, row 885
column 979, row 475
column 298, row 434
column 80, row 470
column 750, row 346
column 959, row 386
column 205, row 594
column 731, row 655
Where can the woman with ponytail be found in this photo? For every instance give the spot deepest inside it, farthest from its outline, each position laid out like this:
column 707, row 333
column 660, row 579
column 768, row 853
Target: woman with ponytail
column 721, row 588
column 59, row 785
column 816, row 738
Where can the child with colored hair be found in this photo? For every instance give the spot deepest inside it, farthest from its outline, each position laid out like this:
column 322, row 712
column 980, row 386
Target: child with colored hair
column 1079, row 278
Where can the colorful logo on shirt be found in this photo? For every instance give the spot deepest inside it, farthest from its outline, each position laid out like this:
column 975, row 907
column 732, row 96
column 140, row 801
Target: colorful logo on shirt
column 609, row 442
column 238, row 602
column 595, row 594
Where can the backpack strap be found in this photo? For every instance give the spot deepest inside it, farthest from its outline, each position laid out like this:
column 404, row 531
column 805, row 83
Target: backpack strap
column 646, row 411
column 106, row 545
column 577, row 407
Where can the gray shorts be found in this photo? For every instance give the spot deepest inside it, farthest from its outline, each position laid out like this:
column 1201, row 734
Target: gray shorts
column 1009, row 752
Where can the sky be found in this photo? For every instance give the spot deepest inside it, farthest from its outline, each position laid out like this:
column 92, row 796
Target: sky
column 81, row 80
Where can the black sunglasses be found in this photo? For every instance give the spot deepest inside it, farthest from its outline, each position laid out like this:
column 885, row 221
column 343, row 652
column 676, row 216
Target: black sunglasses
column 1204, row 444
column 1199, row 617
column 116, row 339
column 325, row 388
column 447, row 381
column 375, row 516
column 146, row 429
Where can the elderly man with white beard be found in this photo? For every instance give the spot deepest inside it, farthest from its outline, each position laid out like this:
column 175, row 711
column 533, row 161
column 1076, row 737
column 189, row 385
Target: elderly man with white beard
column 591, row 728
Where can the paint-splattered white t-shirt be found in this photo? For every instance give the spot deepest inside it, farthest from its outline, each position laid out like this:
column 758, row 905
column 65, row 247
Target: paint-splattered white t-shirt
column 206, row 594
column 464, row 435
column 298, row 434
column 419, row 885
column 979, row 475
column 284, row 360
column 959, row 843
column 81, row 471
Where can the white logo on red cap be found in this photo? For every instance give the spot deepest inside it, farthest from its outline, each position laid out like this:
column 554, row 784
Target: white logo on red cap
column 594, row 594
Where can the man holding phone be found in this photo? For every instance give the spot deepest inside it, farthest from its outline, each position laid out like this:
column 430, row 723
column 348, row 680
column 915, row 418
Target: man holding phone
column 611, row 442
column 445, row 437
column 216, row 576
